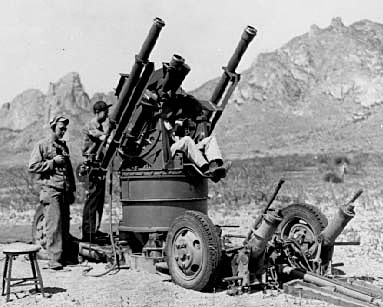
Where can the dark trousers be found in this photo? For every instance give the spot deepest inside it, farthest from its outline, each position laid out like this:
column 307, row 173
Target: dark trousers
column 94, row 206
column 57, row 221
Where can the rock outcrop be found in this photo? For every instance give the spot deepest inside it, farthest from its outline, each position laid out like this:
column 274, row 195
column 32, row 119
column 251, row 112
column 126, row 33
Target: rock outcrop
column 310, row 95
column 26, row 108
column 25, row 119
column 66, row 96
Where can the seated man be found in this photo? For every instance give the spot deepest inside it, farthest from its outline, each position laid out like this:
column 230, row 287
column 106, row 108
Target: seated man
column 206, row 154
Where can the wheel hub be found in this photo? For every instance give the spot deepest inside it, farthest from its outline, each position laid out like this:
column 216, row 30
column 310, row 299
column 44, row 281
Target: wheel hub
column 303, row 234
column 187, row 252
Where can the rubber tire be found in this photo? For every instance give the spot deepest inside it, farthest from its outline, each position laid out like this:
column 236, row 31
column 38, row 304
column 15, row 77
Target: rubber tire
column 200, row 224
column 309, row 213
column 312, row 216
column 39, row 214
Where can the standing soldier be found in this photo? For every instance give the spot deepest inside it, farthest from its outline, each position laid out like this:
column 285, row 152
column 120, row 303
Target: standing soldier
column 94, row 203
column 50, row 160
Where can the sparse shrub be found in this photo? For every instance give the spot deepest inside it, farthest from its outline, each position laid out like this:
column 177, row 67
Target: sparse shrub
column 333, row 177
column 336, row 169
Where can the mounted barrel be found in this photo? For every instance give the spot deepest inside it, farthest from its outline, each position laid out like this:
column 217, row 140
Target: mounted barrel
column 124, row 103
column 176, row 71
column 335, row 227
column 230, row 75
column 153, row 196
column 152, row 98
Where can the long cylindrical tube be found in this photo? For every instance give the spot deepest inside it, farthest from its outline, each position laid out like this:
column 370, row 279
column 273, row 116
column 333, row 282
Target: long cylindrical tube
column 141, row 58
column 247, row 36
column 128, row 87
column 336, row 225
column 151, row 39
column 271, row 200
column 140, row 86
column 258, row 242
column 325, row 282
column 264, row 233
column 339, row 221
column 175, row 74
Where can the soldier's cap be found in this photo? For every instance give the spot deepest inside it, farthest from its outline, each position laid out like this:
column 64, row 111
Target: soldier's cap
column 58, row 118
column 100, row 106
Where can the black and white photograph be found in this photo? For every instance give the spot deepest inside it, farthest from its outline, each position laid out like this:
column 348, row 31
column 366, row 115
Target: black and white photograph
column 191, row 153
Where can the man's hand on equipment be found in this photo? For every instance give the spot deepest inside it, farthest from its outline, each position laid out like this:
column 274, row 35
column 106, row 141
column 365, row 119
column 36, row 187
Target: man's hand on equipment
column 59, row 160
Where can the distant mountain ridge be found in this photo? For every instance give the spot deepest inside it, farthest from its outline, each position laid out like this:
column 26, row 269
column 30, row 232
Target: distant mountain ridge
column 25, row 119
column 320, row 92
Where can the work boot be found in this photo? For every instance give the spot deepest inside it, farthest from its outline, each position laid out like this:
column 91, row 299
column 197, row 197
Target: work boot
column 220, row 171
column 205, row 168
column 70, row 262
column 215, row 170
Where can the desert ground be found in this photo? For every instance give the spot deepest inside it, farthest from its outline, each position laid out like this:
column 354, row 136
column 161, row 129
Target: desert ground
column 236, row 201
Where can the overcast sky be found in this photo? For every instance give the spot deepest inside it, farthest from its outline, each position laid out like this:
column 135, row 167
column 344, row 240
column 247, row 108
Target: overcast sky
column 42, row 40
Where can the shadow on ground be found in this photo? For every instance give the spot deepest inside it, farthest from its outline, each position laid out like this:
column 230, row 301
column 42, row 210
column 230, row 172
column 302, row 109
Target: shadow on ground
column 54, row 290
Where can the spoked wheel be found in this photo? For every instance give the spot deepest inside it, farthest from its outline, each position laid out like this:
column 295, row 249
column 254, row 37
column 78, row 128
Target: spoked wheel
column 38, row 230
column 303, row 223
column 193, row 251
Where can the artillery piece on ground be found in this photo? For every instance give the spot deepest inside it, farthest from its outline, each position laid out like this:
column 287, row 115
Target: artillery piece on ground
column 164, row 198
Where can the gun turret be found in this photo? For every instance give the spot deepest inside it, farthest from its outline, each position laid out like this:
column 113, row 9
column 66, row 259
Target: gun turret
column 229, row 75
column 131, row 86
column 158, row 101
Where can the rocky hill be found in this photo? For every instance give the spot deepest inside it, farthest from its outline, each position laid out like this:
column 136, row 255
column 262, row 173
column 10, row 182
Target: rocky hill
column 25, row 119
column 320, row 92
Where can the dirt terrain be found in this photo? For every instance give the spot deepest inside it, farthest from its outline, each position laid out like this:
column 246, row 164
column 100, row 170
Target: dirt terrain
column 233, row 206
column 133, row 288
